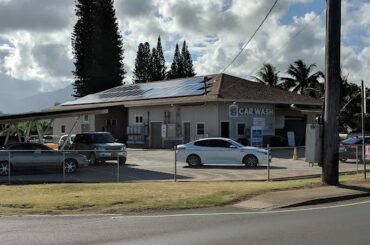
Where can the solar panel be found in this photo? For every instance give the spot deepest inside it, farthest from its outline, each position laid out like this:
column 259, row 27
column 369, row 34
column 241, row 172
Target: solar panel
column 152, row 90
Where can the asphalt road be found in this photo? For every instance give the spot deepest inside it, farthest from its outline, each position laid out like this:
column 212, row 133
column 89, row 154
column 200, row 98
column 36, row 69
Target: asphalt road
column 336, row 225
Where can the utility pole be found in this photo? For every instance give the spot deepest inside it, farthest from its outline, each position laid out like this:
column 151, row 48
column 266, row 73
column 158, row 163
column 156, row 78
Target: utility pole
column 363, row 116
column 330, row 169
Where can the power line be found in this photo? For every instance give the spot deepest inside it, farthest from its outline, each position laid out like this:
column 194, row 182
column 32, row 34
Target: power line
column 250, row 39
column 292, row 38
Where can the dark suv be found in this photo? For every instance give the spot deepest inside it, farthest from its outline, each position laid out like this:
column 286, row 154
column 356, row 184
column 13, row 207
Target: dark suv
column 99, row 147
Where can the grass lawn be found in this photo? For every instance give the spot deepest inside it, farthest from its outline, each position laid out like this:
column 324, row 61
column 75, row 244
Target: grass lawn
column 137, row 197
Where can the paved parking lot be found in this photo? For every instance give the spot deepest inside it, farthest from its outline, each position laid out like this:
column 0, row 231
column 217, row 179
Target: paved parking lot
column 158, row 165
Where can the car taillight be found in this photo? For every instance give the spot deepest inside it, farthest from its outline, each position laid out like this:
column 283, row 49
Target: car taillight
column 352, row 146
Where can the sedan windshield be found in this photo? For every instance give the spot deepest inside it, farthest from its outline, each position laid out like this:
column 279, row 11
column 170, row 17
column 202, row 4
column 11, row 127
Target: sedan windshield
column 102, row 138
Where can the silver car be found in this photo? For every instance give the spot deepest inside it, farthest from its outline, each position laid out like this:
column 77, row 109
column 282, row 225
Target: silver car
column 99, row 147
column 221, row 151
column 38, row 156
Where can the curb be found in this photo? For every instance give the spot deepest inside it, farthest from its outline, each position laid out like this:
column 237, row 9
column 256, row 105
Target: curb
column 326, row 200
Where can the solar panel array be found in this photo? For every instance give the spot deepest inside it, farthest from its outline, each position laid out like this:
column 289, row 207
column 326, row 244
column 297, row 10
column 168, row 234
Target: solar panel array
column 152, row 90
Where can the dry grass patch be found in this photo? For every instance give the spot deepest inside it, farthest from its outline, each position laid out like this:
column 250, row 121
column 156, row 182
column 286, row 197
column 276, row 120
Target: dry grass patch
column 129, row 197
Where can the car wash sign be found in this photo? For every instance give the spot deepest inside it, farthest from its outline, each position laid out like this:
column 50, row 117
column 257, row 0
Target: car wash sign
column 240, row 111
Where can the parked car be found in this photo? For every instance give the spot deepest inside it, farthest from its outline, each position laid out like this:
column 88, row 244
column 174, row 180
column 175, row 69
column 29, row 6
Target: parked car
column 64, row 138
column 347, row 148
column 11, row 140
column 99, row 147
column 39, row 156
column 221, row 151
column 50, row 139
column 34, row 139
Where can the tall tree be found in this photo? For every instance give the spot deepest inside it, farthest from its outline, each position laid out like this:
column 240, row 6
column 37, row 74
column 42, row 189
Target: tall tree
column 140, row 70
column 268, row 75
column 98, row 47
column 187, row 62
column 176, row 66
column 155, row 68
column 143, row 64
column 161, row 61
column 301, row 78
column 82, row 47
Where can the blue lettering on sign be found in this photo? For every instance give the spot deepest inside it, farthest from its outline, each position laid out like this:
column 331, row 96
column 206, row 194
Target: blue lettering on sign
column 257, row 134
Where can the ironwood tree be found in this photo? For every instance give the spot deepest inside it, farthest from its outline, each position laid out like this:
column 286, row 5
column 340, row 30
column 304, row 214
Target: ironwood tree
column 158, row 63
column 187, row 62
column 97, row 48
column 182, row 64
column 176, row 66
column 143, row 64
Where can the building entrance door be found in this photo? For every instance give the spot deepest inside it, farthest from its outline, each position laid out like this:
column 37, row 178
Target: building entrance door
column 186, row 132
column 225, row 129
column 156, row 135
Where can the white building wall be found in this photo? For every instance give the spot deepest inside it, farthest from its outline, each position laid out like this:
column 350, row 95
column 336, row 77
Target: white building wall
column 202, row 113
column 205, row 113
column 264, row 111
column 68, row 122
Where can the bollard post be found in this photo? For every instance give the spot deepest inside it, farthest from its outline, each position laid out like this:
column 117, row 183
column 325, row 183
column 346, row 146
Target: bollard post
column 64, row 166
column 356, row 159
column 9, row 180
column 118, row 167
column 175, row 170
column 268, row 162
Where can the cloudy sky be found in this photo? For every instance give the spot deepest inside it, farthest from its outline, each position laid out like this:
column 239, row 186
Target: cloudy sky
column 36, row 53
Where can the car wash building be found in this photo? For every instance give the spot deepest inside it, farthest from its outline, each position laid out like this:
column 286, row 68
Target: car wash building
column 163, row 114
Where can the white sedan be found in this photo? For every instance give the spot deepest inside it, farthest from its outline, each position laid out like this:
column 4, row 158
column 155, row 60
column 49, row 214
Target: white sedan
column 221, row 151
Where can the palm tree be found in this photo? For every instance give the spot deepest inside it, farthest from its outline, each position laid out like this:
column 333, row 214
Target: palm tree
column 350, row 103
column 302, row 80
column 268, row 75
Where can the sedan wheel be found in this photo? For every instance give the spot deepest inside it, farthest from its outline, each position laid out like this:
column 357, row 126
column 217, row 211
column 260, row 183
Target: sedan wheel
column 194, row 160
column 250, row 161
column 70, row 166
column 4, row 168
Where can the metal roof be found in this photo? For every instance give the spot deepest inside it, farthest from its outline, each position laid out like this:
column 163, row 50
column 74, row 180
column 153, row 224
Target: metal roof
column 145, row 91
column 51, row 114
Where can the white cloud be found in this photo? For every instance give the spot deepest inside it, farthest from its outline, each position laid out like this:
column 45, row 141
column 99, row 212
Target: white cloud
column 35, row 36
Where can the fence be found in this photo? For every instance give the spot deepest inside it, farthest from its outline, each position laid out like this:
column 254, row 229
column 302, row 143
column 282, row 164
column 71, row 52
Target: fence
column 152, row 165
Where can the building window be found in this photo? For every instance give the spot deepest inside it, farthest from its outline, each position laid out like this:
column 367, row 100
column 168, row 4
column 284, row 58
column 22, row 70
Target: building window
column 139, row 119
column 111, row 122
column 200, row 129
column 241, row 128
column 63, row 129
column 86, row 118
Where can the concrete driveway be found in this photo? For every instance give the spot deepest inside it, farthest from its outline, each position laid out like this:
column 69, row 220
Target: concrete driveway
column 158, row 165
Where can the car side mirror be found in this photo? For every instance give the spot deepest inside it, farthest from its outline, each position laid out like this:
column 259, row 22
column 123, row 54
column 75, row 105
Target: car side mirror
column 232, row 147
column 116, row 140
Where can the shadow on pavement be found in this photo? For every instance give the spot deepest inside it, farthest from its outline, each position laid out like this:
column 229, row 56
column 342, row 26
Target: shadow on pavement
column 355, row 188
column 233, row 167
column 92, row 174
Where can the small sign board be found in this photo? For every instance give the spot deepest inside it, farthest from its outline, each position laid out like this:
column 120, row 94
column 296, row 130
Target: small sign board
column 367, row 148
column 164, row 130
column 259, row 121
column 256, row 136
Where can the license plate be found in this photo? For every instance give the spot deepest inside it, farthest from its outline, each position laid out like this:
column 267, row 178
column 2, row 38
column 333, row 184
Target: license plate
column 106, row 154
